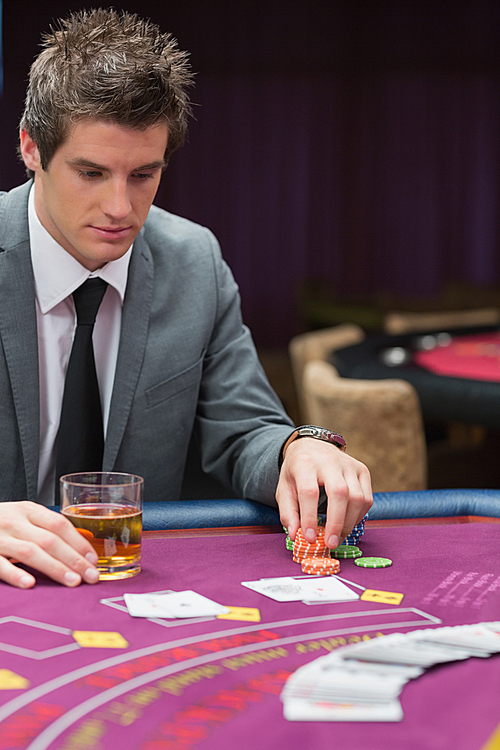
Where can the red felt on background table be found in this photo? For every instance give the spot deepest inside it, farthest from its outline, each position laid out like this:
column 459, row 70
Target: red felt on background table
column 475, row 357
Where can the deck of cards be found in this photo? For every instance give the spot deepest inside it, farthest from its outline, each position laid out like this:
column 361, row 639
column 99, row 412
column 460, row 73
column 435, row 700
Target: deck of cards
column 172, row 605
column 363, row 681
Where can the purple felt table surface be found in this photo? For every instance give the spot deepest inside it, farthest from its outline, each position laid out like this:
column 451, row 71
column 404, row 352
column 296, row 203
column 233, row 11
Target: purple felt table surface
column 214, row 684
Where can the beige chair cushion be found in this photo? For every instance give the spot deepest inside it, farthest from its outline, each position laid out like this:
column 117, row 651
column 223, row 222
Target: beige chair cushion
column 381, row 421
column 315, row 345
column 407, row 322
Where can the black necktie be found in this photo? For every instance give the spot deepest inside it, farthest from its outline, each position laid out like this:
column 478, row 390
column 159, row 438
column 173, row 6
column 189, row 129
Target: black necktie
column 80, row 440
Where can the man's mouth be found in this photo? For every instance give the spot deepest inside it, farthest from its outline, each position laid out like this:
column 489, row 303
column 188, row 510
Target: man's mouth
column 112, row 232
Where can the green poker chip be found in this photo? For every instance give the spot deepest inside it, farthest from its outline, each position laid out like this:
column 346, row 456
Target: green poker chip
column 373, row 562
column 345, row 551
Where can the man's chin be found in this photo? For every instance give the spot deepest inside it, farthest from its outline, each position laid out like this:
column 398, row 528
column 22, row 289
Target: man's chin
column 95, row 258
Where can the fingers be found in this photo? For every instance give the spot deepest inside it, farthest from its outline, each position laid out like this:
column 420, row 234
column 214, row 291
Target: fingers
column 15, row 576
column 310, row 465
column 337, row 510
column 298, row 493
column 58, row 524
column 45, row 541
column 49, row 554
column 348, row 502
column 286, row 498
column 366, row 487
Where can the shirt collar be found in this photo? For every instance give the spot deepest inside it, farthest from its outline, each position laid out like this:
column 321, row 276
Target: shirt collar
column 47, row 255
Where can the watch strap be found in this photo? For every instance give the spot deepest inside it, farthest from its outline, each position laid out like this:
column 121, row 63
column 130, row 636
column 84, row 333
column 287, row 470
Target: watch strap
column 313, row 431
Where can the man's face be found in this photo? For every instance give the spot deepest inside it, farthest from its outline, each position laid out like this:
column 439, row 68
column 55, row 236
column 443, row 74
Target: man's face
column 96, row 192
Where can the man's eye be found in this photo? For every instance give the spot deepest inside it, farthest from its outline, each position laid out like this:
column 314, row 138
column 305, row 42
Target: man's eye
column 142, row 175
column 89, row 174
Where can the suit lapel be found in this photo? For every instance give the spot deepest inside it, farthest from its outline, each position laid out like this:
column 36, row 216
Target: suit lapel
column 18, row 330
column 133, row 339
column 18, row 327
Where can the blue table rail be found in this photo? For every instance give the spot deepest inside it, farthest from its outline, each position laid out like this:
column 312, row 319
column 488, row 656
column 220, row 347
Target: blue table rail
column 200, row 514
column 195, row 514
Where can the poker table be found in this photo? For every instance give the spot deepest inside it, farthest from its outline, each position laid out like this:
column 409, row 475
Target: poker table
column 77, row 672
column 456, row 373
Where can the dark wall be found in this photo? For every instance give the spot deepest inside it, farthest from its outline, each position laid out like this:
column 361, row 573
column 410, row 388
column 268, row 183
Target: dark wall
column 355, row 143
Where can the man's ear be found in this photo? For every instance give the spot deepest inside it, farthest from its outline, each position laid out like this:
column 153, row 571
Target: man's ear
column 29, row 152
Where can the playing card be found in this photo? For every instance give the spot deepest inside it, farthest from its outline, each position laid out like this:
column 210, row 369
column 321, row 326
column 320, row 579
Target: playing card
column 478, row 639
column 299, row 710
column 285, row 589
column 174, row 604
column 336, row 680
column 338, row 685
column 400, row 648
column 191, row 604
column 362, row 681
column 317, row 589
column 145, row 605
column 326, row 590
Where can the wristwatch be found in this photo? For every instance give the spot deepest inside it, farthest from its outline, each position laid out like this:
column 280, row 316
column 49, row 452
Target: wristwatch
column 312, row 431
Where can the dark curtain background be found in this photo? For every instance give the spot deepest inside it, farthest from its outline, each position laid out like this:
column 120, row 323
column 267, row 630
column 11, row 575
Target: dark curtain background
column 354, row 143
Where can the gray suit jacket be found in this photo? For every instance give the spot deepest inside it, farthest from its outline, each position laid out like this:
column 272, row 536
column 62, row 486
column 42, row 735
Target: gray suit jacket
column 186, row 364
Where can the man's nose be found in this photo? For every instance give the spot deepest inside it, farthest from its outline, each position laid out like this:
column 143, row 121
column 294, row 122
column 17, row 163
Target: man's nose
column 116, row 202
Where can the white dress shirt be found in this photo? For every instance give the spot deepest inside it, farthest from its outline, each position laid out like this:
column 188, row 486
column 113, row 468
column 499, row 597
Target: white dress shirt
column 57, row 275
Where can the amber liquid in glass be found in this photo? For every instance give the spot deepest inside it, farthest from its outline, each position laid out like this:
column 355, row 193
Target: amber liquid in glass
column 114, row 532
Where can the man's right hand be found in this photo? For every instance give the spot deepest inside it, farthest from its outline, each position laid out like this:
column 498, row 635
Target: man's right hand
column 46, row 541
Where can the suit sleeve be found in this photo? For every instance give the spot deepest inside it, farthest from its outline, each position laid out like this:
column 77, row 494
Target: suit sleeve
column 241, row 424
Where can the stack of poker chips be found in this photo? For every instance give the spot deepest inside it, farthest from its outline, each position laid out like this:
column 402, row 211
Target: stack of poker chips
column 314, row 556
column 288, row 541
column 317, row 559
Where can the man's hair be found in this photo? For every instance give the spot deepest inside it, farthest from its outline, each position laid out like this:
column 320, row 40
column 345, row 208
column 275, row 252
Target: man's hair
column 108, row 66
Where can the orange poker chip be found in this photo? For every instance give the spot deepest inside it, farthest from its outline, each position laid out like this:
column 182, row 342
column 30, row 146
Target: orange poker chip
column 312, row 553
column 305, row 545
column 320, row 572
column 320, row 562
column 320, row 567
column 318, row 553
column 311, row 547
column 320, row 535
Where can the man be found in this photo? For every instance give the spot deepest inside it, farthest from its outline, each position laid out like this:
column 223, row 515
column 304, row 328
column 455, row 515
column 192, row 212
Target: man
column 105, row 108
